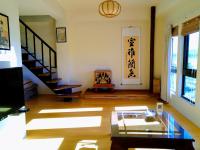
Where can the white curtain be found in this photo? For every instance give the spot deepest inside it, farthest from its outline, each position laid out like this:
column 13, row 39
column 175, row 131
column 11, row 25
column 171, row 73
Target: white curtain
column 165, row 80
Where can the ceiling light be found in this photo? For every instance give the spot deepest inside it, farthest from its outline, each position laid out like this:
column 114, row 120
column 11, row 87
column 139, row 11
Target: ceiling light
column 109, row 8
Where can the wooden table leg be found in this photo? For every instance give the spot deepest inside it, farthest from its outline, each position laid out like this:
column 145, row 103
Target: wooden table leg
column 117, row 146
column 184, row 146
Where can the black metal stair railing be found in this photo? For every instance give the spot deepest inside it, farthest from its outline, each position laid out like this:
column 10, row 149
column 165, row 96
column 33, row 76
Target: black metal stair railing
column 50, row 51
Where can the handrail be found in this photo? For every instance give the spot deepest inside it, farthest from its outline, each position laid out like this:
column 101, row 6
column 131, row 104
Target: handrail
column 37, row 36
column 50, row 51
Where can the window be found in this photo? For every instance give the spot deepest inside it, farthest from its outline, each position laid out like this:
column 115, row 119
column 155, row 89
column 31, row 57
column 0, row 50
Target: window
column 173, row 67
column 191, row 46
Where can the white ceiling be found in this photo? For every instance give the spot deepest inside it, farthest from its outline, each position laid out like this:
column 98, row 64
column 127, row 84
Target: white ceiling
column 40, row 7
column 85, row 7
column 77, row 5
column 88, row 9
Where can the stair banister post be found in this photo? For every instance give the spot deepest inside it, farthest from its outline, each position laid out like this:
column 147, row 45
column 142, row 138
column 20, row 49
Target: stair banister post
column 50, row 61
column 26, row 37
column 42, row 52
column 55, row 58
column 34, row 45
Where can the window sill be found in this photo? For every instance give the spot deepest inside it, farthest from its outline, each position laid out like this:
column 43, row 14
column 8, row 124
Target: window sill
column 173, row 92
column 187, row 100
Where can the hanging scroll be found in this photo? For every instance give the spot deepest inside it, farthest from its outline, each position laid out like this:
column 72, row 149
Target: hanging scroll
column 131, row 55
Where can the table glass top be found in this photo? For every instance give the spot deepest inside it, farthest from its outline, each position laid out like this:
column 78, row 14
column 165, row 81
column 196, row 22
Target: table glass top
column 147, row 123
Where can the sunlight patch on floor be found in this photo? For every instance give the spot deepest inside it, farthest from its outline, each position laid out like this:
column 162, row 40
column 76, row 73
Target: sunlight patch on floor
column 68, row 122
column 131, row 108
column 32, row 144
column 87, row 144
column 71, row 110
column 43, row 144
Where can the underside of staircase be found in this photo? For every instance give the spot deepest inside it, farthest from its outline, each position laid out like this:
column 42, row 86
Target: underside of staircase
column 42, row 66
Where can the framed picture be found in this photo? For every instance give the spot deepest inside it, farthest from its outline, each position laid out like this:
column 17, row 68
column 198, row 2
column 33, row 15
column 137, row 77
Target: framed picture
column 61, row 34
column 4, row 33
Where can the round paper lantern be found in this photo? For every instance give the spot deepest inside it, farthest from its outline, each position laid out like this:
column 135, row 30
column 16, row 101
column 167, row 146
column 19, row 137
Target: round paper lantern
column 109, row 8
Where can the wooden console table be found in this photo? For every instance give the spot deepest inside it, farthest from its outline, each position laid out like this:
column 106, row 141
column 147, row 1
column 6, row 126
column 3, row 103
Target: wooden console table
column 103, row 86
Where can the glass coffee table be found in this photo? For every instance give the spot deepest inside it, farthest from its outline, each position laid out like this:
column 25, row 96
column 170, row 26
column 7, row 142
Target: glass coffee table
column 146, row 129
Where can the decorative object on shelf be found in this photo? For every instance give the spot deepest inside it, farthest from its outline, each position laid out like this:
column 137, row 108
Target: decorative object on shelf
column 4, row 33
column 109, row 8
column 131, row 55
column 61, row 35
column 102, row 79
column 159, row 108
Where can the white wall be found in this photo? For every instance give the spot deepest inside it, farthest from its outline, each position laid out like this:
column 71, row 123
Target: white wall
column 11, row 58
column 98, row 45
column 93, row 41
column 40, row 7
column 176, row 15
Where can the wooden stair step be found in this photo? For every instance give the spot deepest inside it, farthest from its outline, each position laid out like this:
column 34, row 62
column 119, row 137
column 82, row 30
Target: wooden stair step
column 62, row 87
column 72, row 95
column 37, row 67
column 25, row 56
column 24, row 53
column 45, row 74
column 54, row 80
column 29, row 61
column 24, row 47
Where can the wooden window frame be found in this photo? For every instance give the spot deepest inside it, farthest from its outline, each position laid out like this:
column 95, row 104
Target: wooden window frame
column 187, row 72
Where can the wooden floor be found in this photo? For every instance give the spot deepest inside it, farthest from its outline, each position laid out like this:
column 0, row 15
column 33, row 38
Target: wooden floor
column 94, row 128
column 116, row 94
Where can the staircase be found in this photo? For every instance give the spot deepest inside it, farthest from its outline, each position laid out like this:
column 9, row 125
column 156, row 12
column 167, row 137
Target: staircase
column 40, row 59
